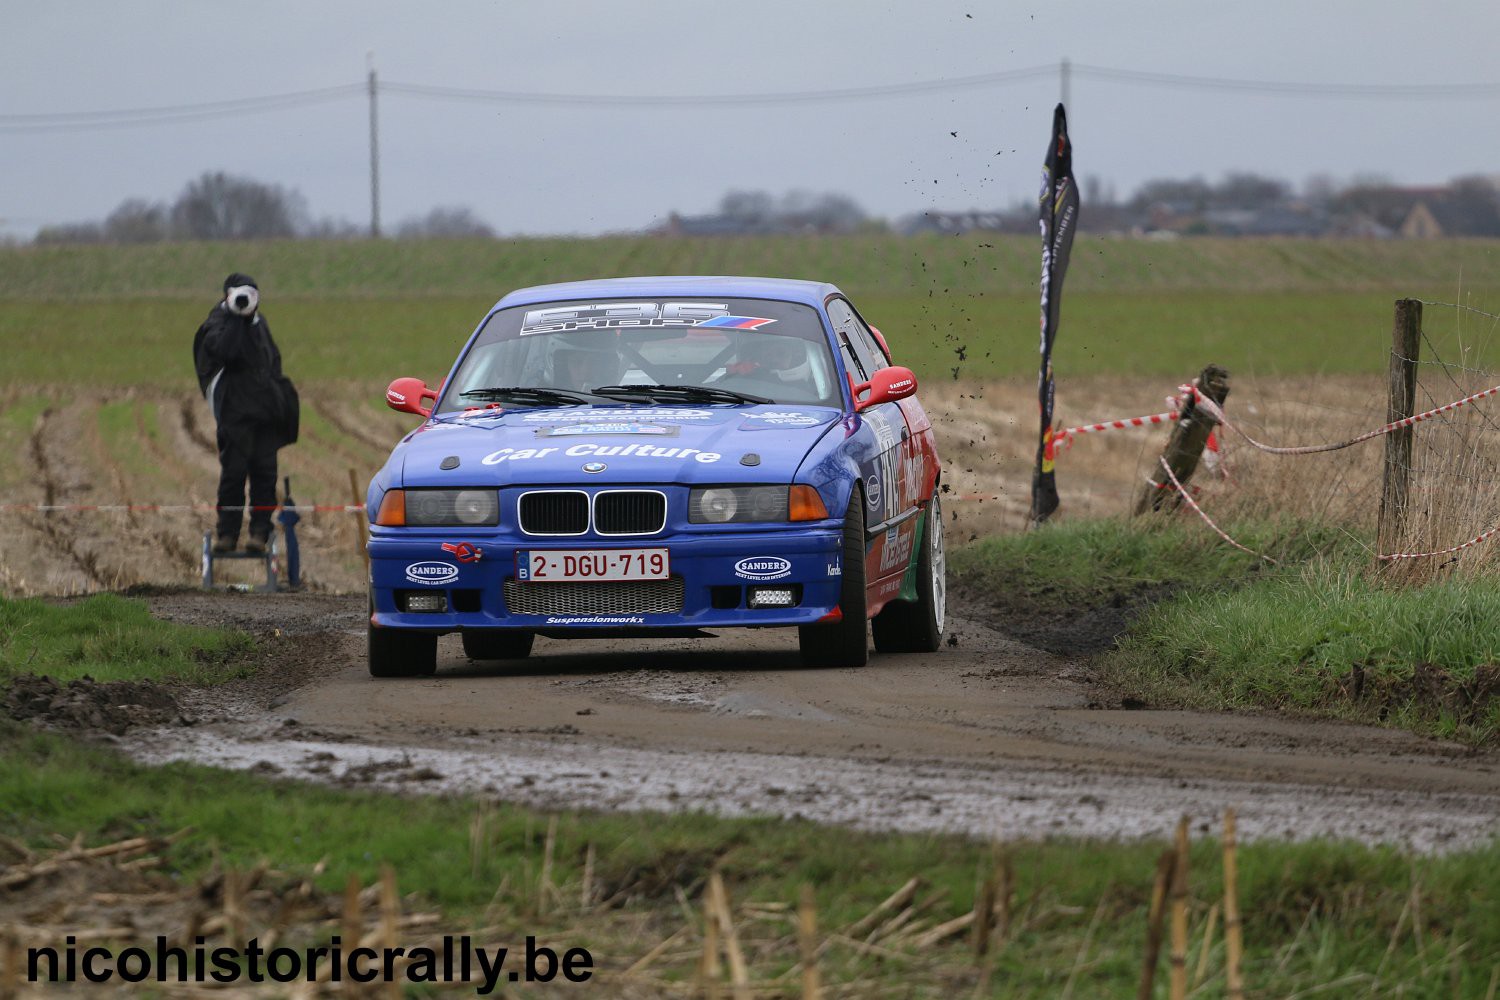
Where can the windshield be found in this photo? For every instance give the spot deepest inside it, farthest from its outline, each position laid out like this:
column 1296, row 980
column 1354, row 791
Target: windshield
column 758, row 348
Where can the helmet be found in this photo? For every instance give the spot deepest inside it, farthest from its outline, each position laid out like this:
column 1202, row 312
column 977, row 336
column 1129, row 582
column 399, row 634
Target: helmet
column 781, row 358
column 584, row 363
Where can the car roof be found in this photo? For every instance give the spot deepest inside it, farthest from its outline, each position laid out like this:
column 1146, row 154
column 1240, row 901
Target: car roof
column 811, row 293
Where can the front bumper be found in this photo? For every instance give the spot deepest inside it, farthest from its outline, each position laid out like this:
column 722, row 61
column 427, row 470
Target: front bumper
column 710, row 564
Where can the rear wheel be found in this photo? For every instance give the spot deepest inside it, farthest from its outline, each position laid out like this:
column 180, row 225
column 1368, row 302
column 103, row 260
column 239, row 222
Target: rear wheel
column 917, row 626
column 397, row 652
column 843, row 643
column 498, row 645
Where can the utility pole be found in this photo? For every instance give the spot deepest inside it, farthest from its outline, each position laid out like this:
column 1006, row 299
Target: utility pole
column 1065, row 74
column 374, row 155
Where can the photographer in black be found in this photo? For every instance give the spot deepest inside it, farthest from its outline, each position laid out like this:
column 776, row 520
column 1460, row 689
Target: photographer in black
column 255, row 406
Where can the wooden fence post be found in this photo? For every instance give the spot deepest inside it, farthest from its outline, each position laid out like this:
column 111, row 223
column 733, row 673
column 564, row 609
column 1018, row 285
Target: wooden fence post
column 361, row 530
column 1177, row 983
column 1233, row 941
column 1406, row 343
column 1185, row 446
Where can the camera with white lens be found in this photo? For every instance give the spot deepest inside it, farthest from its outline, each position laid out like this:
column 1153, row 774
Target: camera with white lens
column 242, row 300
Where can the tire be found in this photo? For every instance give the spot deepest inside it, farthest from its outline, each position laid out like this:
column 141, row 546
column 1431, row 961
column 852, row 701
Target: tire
column 399, row 653
column 917, row 626
column 496, row 644
column 844, row 643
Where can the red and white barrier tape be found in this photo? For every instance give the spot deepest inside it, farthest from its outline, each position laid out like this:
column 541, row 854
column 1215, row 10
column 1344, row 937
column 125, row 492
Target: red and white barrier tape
column 130, row 508
column 1206, row 519
column 1213, row 410
column 1486, row 536
column 1066, row 435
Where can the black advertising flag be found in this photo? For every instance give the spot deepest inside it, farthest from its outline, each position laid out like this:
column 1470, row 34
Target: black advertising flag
column 1059, row 216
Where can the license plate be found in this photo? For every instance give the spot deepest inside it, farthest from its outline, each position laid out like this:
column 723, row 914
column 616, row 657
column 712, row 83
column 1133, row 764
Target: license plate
column 573, row 565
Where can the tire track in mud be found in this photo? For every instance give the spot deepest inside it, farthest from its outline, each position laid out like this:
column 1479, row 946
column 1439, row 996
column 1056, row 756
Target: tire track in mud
column 51, row 523
column 353, row 431
column 194, row 432
column 146, row 550
column 171, row 541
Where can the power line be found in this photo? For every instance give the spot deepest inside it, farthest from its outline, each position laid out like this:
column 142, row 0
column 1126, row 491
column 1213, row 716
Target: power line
column 89, row 121
column 1364, row 91
column 85, row 121
column 695, row 100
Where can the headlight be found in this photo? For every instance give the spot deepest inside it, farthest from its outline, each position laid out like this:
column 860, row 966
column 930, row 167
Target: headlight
column 448, row 509
column 737, row 504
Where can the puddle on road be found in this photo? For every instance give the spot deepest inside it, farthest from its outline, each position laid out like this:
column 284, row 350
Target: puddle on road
column 1008, row 802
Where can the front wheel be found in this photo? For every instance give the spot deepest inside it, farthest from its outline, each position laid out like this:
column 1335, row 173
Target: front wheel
column 917, row 626
column 843, row 643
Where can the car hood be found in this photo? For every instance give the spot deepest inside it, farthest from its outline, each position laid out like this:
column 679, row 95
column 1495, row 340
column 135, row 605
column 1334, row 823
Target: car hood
column 633, row 444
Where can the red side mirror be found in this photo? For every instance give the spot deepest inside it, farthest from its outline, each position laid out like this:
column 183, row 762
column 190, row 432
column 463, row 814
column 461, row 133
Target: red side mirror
column 880, row 339
column 406, row 395
column 888, row 385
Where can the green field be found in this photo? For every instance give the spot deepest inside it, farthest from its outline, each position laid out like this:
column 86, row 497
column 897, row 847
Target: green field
column 374, row 310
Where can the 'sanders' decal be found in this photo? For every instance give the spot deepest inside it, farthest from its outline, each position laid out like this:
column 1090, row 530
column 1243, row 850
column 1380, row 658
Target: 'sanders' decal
column 432, row 573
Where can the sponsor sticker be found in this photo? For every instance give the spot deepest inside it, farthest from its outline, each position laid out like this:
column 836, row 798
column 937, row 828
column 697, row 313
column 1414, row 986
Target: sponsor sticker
column 595, row 620
column 738, row 322
column 620, row 428
column 835, row 569
column 432, row 573
column 786, row 418
column 897, row 548
column 593, row 450
column 763, row 568
column 619, row 413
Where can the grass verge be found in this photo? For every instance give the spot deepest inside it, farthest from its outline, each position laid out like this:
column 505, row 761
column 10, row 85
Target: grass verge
column 1319, row 634
column 1315, row 914
column 112, row 638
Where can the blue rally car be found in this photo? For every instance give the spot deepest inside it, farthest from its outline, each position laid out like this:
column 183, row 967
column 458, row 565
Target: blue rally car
column 644, row 457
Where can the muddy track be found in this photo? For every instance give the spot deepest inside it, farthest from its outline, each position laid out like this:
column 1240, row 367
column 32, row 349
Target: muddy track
column 168, row 530
column 57, row 526
column 987, row 736
column 354, row 430
column 195, row 432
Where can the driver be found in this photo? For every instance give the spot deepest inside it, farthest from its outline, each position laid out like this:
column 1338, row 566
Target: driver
column 777, row 359
column 583, row 365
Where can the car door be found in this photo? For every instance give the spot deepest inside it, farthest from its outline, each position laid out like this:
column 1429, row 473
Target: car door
column 883, row 464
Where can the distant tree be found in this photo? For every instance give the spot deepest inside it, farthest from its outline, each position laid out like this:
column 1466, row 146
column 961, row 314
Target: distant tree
column 1320, row 189
column 1375, row 200
column 70, row 232
column 1191, row 194
column 454, row 222
column 1245, row 190
column 1473, row 206
column 137, row 220
column 824, row 213
column 218, row 206
column 750, row 208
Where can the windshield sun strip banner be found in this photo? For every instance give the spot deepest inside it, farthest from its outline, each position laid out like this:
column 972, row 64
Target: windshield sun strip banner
column 635, row 315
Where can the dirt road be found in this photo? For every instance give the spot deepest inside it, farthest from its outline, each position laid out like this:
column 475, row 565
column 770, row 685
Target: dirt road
column 988, row 737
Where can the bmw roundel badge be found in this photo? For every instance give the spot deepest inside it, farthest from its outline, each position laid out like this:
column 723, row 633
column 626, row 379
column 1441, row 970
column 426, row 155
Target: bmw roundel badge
column 594, row 466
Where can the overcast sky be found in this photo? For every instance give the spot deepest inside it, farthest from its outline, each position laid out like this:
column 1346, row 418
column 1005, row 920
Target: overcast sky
column 528, row 168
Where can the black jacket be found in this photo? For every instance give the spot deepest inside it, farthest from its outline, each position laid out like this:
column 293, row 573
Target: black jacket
column 239, row 372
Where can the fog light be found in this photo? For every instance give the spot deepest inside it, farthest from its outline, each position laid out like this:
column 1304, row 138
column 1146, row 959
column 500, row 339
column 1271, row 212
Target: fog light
column 427, row 602
column 773, row 597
